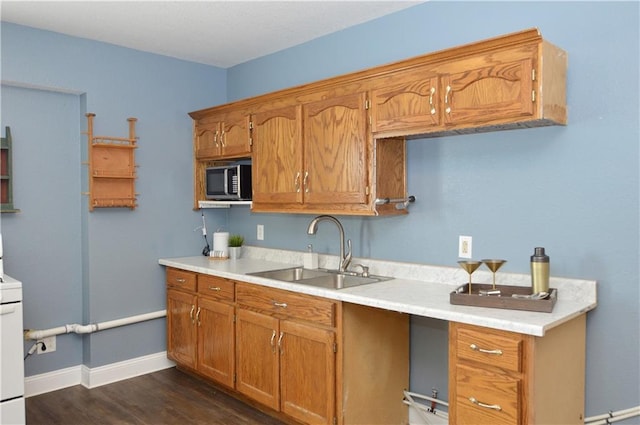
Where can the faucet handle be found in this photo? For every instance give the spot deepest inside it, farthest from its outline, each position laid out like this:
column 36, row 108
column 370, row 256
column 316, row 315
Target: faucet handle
column 365, row 270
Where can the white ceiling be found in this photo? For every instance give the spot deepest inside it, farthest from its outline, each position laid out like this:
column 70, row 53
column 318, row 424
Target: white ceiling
column 219, row 33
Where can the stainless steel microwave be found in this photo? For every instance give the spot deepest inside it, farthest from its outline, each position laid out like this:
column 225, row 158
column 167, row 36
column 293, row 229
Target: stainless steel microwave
column 231, row 182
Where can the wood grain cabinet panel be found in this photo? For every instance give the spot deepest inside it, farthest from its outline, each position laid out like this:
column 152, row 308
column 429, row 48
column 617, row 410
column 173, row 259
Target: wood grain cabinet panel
column 307, row 372
column 216, row 340
column 257, row 357
column 489, row 94
column 181, row 332
column 277, row 157
column 402, row 108
column 335, row 151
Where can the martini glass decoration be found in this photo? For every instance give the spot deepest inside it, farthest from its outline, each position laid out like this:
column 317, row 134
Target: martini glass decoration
column 470, row 267
column 494, row 265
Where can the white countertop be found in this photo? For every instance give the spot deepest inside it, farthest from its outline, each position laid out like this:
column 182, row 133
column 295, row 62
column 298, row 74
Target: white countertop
column 417, row 289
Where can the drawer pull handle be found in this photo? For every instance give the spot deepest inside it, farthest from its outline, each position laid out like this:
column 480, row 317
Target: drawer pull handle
column 214, row 288
column 180, row 280
column 486, row 406
column 482, row 350
column 283, row 305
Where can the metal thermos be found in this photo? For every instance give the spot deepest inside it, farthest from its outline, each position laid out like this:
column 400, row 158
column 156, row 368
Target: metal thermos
column 539, row 271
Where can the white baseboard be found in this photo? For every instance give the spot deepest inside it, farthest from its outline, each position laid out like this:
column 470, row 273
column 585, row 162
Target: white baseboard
column 97, row 376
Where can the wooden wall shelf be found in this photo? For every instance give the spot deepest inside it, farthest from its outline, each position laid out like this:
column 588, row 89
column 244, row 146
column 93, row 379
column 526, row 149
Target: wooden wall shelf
column 112, row 168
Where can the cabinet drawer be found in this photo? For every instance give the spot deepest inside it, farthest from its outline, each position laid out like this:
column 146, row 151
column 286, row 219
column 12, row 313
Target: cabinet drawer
column 289, row 304
column 216, row 287
column 495, row 348
column 181, row 279
column 484, row 397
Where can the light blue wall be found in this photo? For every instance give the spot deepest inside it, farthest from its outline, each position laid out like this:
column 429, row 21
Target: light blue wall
column 573, row 189
column 81, row 267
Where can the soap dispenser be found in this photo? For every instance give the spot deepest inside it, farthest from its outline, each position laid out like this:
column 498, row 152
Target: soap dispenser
column 310, row 260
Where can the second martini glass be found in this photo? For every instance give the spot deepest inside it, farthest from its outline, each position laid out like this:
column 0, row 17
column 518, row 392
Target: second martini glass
column 494, row 265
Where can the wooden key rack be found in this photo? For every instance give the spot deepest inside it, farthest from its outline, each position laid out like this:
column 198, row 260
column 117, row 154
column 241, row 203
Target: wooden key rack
column 112, row 168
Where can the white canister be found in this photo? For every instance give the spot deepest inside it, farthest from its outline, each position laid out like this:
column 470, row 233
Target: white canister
column 221, row 244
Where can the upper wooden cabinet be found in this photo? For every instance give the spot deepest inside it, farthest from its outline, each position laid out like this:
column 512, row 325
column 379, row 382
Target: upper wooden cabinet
column 504, row 83
column 223, row 136
column 317, row 157
column 337, row 145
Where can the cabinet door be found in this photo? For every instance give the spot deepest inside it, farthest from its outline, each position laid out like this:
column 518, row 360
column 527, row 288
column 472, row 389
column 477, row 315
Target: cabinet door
column 277, row 156
column 235, row 135
column 257, row 359
column 216, row 347
column 335, row 150
column 410, row 107
column 491, row 93
column 307, row 373
column 181, row 330
column 207, row 137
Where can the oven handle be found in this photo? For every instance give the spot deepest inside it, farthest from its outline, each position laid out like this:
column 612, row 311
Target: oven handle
column 7, row 309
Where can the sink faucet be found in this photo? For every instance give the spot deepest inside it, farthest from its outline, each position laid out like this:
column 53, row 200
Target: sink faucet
column 345, row 258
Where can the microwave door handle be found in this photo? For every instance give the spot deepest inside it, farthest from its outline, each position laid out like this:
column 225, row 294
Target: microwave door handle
column 226, row 181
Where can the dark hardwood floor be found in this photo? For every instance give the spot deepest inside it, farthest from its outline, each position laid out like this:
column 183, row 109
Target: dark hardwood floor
column 165, row 397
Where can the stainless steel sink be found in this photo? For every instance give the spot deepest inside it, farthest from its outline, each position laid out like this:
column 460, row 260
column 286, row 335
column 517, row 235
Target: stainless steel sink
column 323, row 278
column 291, row 275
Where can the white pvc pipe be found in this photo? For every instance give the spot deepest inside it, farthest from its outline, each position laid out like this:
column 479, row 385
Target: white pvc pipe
column 611, row 417
column 428, row 416
column 93, row 327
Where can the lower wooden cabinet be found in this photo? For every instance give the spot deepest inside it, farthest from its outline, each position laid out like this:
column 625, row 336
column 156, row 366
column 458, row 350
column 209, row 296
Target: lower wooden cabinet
column 499, row 377
column 200, row 324
column 307, row 359
column 282, row 363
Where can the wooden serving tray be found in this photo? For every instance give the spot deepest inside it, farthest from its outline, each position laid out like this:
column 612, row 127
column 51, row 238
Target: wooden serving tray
column 461, row 296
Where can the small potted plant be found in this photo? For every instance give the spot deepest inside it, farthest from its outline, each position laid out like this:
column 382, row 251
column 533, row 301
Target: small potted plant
column 235, row 246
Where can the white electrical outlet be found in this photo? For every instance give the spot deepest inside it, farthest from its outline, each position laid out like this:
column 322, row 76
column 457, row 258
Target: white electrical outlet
column 46, row 345
column 464, row 246
column 260, row 232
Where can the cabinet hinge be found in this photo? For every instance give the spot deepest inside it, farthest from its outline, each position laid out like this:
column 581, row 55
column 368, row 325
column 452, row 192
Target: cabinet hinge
column 533, row 95
column 366, row 191
column 335, row 347
column 250, row 141
column 234, row 378
column 234, row 318
column 367, row 104
column 335, row 420
column 250, row 125
column 533, row 75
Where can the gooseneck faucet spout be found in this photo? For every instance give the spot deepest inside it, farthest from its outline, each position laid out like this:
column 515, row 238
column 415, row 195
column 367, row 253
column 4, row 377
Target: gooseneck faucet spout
column 345, row 258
